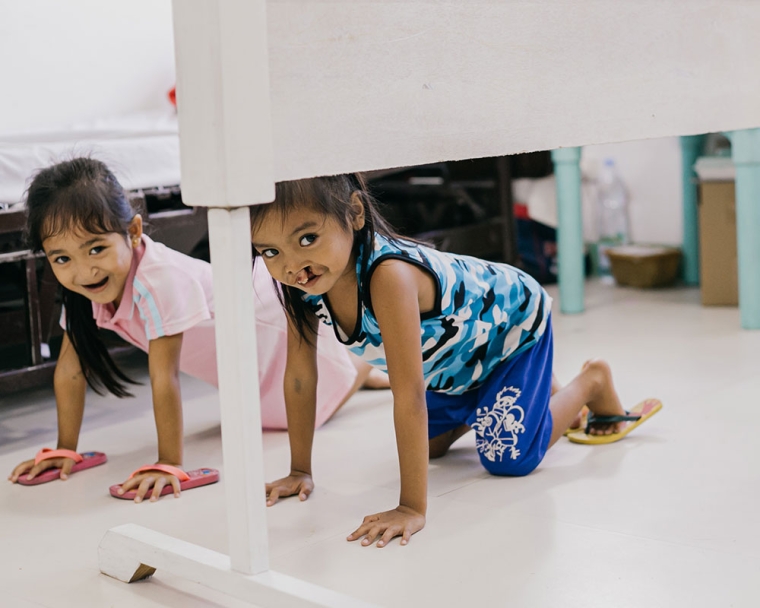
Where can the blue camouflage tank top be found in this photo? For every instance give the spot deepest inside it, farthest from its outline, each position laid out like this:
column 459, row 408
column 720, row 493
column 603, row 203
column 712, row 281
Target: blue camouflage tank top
column 484, row 314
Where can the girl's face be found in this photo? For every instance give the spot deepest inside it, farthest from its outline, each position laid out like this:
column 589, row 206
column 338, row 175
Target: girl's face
column 93, row 265
column 307, row 249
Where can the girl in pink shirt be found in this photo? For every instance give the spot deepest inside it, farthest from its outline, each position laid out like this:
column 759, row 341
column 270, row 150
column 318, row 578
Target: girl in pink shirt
column 117, row 278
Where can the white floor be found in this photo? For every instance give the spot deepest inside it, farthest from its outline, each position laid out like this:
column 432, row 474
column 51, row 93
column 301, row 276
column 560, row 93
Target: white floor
column 666, row 517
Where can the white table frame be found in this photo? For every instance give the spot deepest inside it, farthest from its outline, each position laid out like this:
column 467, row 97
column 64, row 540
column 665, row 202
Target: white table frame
column 292, row 89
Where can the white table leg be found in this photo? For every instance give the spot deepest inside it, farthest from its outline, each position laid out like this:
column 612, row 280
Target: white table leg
column 230, row 240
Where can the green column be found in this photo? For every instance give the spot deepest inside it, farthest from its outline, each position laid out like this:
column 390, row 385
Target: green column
column 691, row 147
column 567, row 172
column 745, row 147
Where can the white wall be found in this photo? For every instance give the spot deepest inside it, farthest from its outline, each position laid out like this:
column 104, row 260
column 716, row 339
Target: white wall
column 62, row 61
column 651, row 171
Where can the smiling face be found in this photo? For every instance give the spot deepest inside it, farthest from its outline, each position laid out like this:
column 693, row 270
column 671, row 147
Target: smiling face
column 307, row 249
column 93, row 265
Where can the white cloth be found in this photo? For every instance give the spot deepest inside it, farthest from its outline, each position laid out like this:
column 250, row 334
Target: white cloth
column 141, row 149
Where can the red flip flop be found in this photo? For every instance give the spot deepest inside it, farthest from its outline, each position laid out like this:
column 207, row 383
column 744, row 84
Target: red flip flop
column 85, row 460
column 187, row 480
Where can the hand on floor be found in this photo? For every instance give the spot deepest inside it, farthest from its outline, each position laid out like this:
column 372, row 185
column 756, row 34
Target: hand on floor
column 295, row 483
column 401, row 521
column 144, row 481
column 32, row 470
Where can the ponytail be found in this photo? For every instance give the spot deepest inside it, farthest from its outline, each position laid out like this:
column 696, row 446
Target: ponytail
column 98, row 367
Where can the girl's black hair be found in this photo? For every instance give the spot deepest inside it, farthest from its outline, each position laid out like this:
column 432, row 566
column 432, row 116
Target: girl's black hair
column 81, row 194
column 331, row 196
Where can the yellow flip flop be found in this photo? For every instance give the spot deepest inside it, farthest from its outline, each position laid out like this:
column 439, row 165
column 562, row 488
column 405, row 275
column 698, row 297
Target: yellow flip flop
column 638, row 414
column 584, row 418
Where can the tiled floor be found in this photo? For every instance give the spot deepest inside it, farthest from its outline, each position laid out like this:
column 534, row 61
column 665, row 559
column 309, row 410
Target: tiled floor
column 667, row 517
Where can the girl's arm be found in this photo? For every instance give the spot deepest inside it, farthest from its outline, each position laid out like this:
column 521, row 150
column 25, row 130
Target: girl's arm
column 70, row 386
column 395, row 289
column 163, row 366
column 301, row 407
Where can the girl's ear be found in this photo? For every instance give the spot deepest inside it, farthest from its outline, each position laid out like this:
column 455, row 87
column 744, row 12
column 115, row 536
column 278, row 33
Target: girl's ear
column 135, row 230
column 357, row 211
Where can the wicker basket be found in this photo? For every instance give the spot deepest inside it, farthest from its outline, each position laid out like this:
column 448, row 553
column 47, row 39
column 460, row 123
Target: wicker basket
column 644, row 265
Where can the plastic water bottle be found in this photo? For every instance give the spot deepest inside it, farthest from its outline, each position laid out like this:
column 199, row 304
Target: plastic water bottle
column 612, row 214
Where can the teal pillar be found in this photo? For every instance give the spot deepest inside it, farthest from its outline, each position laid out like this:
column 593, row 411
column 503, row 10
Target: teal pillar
column 567, row 172
column 745, row 149
column 691, row 147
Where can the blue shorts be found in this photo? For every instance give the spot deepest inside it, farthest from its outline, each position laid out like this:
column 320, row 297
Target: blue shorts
column 509, row 412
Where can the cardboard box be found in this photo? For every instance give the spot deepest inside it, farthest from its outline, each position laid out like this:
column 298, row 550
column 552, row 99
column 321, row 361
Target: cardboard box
column 718, row 263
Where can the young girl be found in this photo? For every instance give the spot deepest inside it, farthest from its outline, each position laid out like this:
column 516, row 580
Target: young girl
column 467, row 345
column 115, row 277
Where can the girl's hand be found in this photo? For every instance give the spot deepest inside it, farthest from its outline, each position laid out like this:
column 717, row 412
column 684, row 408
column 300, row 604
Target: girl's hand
column 401, row 521
column 150, row 479
column 32, row 470
column 295, row 483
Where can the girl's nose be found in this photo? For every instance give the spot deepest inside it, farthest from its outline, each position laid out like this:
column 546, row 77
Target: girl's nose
column 291, row 269
column 86, row 274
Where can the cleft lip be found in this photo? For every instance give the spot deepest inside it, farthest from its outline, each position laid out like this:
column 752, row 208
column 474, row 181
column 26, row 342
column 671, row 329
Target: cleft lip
column 303, row 276
column 306, row 276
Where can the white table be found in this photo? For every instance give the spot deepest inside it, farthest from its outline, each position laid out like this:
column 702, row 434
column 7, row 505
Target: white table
column 280, row 90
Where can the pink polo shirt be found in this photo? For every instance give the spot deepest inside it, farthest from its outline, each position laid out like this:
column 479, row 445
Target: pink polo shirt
column 169, row 293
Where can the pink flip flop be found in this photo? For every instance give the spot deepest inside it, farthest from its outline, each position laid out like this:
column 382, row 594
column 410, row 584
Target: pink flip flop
column 187, row 480
column 85, row 460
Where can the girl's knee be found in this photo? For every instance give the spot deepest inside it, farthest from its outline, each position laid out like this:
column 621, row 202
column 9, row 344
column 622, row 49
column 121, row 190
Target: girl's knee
column 511, row 468
column 437, row 451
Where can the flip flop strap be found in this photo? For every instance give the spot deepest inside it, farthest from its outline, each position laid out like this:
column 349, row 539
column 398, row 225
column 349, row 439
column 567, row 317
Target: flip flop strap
column 597, row 420
column 164, row 468
column 48, row 453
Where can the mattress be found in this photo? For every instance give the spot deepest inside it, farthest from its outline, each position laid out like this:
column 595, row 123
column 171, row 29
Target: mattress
column 142, row 150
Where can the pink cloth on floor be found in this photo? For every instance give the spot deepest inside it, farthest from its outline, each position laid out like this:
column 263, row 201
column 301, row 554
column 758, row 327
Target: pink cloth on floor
column 167, row 293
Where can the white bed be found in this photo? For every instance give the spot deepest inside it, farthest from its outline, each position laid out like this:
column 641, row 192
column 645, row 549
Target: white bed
column 141, row 148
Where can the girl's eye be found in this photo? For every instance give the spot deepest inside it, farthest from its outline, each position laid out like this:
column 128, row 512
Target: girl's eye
column 96, row 250
column 269, row 253
column 307, row 239
column 61, row 259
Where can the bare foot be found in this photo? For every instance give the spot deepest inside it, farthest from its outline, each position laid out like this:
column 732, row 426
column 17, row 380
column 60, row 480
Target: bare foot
column 366, row 377
column 577, row 421
column 605, row 400
column 376, row 379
